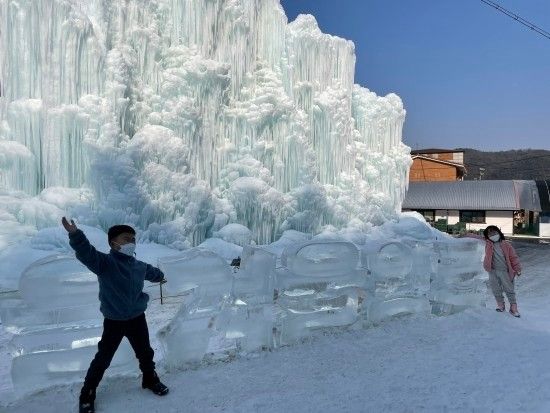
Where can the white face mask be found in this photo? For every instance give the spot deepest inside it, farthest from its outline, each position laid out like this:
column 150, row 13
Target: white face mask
column 495, row 238
column 128, row 249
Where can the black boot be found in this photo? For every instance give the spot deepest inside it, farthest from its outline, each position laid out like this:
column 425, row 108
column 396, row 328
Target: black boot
column 86, row 401
column 152, row 382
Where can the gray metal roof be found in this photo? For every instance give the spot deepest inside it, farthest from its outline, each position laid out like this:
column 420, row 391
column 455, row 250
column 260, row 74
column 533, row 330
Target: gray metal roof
column 473, row 195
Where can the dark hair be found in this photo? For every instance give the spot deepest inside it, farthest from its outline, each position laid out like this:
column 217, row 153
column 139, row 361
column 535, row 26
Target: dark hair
column 116, row 230
column 494, row 228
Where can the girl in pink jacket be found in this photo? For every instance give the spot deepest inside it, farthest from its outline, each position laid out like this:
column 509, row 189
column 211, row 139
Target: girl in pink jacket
column 502, row 264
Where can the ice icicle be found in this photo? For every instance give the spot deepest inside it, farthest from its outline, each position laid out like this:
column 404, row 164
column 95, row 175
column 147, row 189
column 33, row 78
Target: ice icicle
column 260, row 112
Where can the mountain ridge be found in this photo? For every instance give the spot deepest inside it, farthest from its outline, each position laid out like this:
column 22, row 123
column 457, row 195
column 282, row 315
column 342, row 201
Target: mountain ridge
column 511, row 164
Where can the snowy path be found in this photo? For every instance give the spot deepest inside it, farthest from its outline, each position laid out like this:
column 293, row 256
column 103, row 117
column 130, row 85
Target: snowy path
column 477, row 361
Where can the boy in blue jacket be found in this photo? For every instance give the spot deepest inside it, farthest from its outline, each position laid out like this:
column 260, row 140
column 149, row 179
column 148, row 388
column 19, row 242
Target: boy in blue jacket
column 122, row 303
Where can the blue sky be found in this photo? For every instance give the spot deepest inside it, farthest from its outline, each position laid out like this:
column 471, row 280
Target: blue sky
column 469, row 76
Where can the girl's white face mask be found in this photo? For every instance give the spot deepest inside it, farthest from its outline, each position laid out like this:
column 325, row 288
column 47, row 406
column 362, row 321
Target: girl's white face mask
column 495, row 237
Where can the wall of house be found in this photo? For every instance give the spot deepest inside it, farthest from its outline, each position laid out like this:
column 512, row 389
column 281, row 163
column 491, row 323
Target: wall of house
column 451, row 215
column 502, row 219
column 544, row 230
column 544, row 225
column 425, row 170
column 457, row 157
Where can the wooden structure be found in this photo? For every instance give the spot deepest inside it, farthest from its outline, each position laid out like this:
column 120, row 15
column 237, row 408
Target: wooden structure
column 432, row 165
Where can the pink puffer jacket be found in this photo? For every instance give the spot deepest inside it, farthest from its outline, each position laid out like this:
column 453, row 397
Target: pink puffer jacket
column 512, row 260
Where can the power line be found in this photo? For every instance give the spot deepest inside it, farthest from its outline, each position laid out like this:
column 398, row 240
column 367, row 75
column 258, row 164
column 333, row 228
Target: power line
column 517, row 18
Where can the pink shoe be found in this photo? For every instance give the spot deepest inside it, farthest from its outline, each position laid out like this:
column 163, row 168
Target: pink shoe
column 514, row 310
column 500, row 307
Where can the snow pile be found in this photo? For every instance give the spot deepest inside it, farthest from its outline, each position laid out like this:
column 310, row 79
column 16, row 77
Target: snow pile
column 143, row 114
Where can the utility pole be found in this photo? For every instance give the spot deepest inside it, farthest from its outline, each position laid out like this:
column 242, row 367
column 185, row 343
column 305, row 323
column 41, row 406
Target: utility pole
column 481, row 173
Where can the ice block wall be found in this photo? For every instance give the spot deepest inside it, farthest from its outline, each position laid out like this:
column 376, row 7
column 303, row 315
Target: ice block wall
column 182, row 116
column 320, row 284
column 56, row 325
column 280, row 294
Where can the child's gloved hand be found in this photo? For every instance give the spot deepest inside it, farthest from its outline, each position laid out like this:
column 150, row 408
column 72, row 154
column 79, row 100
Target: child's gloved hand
column 69, row 227
column 518, row 273
column 163, row 281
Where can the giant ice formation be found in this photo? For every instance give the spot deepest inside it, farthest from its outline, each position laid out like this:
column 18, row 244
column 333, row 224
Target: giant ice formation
column 182, row 116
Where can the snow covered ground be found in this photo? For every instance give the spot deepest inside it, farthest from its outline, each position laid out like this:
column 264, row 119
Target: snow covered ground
column 475, row 361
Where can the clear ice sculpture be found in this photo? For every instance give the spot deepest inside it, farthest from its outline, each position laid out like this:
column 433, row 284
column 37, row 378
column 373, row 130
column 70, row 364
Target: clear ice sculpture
column 399, row 279
column 55, row 339
column 320, row 262
column 254, row 282
column 189, row 335
column 460, row 281
column 297, row 324
column 56, row 325
column 17, row 317
column 53, row 291
column 197, row 269
column 61, row 355
column 58, row 281
column 318, row 287
column 250, row 326
column 40, row 369
column 383, row 310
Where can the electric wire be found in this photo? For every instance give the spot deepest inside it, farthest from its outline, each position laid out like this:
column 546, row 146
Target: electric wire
column 517, row 18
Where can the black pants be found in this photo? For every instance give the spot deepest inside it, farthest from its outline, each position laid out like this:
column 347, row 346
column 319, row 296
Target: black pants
column 114, row 331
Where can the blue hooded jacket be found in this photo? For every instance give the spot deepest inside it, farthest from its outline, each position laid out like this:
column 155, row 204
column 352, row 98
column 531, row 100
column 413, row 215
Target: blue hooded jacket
column 120, row 278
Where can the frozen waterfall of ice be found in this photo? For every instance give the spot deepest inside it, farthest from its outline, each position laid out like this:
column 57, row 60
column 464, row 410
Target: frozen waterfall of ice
column 182, row 116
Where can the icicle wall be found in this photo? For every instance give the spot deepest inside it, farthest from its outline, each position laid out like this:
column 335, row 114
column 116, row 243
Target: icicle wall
column 180, row 116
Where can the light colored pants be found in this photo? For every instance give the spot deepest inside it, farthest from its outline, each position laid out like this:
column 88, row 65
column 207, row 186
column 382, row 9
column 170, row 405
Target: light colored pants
column 500, row 282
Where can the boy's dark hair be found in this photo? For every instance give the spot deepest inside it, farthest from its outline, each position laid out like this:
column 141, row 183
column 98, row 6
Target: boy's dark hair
column 494, row 228
column 116, row 230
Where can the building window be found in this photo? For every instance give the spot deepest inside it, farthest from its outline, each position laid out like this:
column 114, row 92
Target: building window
column 474, row 217
column 428, row 214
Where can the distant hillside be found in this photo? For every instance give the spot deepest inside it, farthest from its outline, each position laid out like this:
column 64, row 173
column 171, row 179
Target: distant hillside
column 516, row 164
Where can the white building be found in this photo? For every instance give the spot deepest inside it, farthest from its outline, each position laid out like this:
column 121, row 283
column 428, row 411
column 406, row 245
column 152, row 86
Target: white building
column 544, row 196
column 511, row 205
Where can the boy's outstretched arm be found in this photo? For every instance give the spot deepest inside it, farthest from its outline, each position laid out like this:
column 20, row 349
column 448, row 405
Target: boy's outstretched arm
column 85, row 252
column 154, row 274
